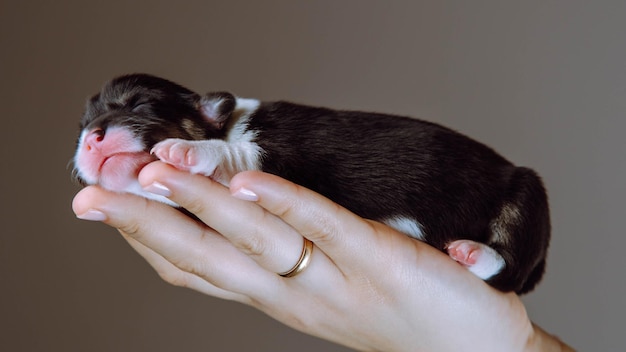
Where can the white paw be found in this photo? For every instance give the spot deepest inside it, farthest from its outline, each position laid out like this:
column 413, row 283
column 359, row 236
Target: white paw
column 478, row 258
column 198, row 157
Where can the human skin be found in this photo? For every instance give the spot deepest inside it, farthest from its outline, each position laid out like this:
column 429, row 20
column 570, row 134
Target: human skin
column 368, row 286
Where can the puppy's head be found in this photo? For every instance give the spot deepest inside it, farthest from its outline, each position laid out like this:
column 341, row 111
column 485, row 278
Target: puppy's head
column 130, row 115
column 151, row 107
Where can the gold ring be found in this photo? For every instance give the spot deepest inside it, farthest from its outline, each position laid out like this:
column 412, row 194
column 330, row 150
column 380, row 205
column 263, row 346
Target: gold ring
column 303, row 262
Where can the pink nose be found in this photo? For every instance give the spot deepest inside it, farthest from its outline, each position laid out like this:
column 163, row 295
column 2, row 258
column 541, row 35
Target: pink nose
column 93, row 139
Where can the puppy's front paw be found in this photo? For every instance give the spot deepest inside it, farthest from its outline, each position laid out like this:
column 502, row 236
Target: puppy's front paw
column 478, row 258
column 198, row 157
column 179, row 153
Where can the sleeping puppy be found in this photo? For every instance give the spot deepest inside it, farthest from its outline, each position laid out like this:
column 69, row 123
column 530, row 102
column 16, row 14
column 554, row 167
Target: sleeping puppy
column 422, row 179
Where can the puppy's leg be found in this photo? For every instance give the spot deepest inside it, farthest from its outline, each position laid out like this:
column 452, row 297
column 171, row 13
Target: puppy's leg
column 520, row 233
column 478, row 258
column 216, row 158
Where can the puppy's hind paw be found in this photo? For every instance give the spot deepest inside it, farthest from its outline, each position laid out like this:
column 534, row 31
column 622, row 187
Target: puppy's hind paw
column 478, row 258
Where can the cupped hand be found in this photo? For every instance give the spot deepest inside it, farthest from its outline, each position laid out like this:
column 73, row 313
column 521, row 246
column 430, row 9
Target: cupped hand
column 368, row 286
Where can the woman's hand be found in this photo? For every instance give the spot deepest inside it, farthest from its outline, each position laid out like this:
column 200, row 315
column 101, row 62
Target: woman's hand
column 368, row 286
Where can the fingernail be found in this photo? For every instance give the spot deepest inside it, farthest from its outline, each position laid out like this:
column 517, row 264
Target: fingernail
column 246, row 194
column 158, row 188
column 92, row 215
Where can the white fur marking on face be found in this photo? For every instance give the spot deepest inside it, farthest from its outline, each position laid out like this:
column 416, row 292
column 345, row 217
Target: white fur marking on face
column 407, row 226
column 81, row 141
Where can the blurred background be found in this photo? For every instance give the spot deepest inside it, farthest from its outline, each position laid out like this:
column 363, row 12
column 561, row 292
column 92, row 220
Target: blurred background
column 543, row 82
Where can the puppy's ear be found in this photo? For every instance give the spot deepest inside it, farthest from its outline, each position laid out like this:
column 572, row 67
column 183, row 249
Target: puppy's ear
column 217, row 108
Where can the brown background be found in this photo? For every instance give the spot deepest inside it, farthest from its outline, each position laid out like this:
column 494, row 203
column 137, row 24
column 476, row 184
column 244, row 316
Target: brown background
column 543, row 82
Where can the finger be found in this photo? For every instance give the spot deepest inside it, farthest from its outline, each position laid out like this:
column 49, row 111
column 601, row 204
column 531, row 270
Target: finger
column 177, row 277
column 185, row 243
column 331, row 227
column 269, row 241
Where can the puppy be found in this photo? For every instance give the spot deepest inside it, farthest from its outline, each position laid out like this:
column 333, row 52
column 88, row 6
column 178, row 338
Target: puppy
column 420, row 178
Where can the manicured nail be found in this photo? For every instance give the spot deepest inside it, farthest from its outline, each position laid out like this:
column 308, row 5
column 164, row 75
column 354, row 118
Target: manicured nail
column 92, row 215
column 158, row 188
column 246, row 194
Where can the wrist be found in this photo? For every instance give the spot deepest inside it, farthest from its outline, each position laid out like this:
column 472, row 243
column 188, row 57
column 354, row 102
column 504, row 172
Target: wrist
column 541, row 341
